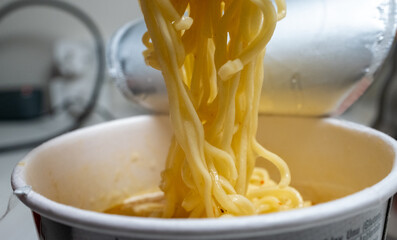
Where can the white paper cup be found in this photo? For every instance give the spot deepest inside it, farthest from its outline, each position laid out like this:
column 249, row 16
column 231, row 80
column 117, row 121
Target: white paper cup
column 347, row 170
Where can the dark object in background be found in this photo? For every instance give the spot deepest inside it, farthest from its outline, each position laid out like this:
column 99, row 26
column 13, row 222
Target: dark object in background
column 21, row 104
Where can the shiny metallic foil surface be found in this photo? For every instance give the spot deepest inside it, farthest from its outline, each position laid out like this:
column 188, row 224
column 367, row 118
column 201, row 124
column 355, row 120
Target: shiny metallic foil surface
column 322, row 57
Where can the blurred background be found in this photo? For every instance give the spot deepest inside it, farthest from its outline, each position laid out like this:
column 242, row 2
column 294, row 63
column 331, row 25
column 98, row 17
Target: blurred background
column 53, row 80
column 49, row 81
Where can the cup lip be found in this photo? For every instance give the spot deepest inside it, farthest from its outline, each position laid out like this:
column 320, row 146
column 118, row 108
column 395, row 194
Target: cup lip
column 297, row 219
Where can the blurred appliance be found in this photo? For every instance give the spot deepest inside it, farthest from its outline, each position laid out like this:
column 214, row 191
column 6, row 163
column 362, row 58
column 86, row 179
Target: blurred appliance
column 26, row 100
column 24, row 103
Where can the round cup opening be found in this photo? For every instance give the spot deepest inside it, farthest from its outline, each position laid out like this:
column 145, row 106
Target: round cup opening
column 98, row 167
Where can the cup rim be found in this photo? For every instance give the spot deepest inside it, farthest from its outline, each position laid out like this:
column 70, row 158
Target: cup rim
column 297, row 219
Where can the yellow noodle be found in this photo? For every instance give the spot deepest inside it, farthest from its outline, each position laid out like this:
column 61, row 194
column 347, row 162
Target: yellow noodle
column 211, row 54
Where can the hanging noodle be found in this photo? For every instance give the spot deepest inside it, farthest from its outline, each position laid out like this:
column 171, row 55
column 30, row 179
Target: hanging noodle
column 211, row 55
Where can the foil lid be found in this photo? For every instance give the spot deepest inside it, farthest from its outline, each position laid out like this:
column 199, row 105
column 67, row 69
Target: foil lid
column 322, row 57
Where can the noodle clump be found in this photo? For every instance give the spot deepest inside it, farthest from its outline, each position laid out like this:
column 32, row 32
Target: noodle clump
column 211, row 56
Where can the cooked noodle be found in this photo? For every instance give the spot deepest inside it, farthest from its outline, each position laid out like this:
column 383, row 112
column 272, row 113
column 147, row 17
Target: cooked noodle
column 211, row 56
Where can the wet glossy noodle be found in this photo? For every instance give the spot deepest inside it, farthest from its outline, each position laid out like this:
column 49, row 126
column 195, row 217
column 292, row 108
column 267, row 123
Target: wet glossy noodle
column 211, row 55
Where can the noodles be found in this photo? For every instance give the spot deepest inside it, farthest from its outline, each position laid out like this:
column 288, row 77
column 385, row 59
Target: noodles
column 211, row 54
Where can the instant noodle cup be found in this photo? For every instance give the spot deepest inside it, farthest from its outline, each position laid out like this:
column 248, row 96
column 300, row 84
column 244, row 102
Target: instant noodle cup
column 348, row 171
